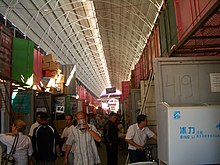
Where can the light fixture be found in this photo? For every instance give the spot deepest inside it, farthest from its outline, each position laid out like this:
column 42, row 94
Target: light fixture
column 71, row 76
column 77, row 97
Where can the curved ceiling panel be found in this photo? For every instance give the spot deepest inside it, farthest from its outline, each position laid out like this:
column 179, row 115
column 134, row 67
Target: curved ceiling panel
column 104, row 38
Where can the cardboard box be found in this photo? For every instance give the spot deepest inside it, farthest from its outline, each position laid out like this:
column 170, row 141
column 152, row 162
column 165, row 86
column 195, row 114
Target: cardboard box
column 49, row 58
column 54, row 65
column 59, row 89
column 49, row 73
column 60, row 78
column 46, row 66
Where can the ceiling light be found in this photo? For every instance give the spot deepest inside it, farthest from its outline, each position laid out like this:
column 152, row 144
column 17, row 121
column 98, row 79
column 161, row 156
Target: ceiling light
column 71, row 76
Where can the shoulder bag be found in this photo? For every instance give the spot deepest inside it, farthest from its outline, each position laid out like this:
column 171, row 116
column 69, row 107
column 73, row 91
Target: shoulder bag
column 8, row 159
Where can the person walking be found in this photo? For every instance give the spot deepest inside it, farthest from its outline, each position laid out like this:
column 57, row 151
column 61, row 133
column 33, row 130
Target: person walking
column 23, row 148
column 44, row 141
column 35, row 125
column 83, row 137
column 136, row 138
column 64, row 136
column 111, row 139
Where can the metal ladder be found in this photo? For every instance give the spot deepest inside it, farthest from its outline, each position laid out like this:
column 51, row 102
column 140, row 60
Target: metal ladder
column 146, row 95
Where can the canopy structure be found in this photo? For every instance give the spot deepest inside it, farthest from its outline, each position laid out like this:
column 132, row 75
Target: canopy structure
column 104, row 38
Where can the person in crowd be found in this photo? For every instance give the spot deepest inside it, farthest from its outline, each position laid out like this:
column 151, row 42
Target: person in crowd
column 92, row 119
column 83, row 137
column 23, row 149
column 64, row 136
column 35, row 125
column 111, row 139
column 121, row 135
column 93, row 124
column 90, row 124
column 136, row 138
column 44, row 140
column 100, row 124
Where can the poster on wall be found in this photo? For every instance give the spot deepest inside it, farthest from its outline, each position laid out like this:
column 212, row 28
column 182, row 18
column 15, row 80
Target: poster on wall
column 21, row 102
column 74, row 106
column 59, row 104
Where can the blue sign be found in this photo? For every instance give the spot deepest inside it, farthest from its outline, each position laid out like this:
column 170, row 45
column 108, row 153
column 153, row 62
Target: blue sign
column 176, row 115
column 218, row 126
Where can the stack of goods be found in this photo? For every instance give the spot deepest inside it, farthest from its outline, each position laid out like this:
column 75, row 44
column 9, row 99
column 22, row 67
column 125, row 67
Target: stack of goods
column 52, row 78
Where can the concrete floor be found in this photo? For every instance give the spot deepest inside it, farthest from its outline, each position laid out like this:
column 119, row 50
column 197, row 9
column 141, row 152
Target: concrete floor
column 122, row 154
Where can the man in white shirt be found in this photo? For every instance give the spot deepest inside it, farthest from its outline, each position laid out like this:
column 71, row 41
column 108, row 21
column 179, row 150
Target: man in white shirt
column 35, row 125
column 136, row 138
column 64, row 136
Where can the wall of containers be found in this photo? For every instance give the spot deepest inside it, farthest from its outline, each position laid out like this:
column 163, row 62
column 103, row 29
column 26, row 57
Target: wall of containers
column 25, row 72
column 189, row 28
column 171, row 31
column 183, row 28
column 5, row 73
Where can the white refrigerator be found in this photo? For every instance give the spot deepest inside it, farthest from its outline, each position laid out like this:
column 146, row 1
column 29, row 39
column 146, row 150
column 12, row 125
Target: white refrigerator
column 188, row 135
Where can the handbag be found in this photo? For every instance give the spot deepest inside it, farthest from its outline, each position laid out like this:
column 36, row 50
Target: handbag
column 8, row 159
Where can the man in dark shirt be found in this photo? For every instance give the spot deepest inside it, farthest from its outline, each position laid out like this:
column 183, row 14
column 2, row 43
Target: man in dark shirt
column 111, row 139
column 44, row 142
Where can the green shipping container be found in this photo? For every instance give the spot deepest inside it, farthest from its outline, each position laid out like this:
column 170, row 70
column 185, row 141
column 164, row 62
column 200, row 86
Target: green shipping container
column 22, row 102
column 67, row 105
column 168, row 29
column 22, row 61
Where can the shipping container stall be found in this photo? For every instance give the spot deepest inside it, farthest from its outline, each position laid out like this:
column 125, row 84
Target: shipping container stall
column 188, row 13
column 199, row 34
column 80, row 105
column 189, row 28
column 150, row 52
column 156, row 40
column 23, row 107
column 6, row 39
column 37, row 69
column 128, row 114
column 6, row 114
column 141, row 67
column 148, row 101
column 43, row 102
column 132, row 80
column 137, row 75
column 154, row 45
column 167, row 28
column 23, row 61
column 75, row 106
column 145, row 62
column 135, row 103
column 59, row 107
column 125, row 89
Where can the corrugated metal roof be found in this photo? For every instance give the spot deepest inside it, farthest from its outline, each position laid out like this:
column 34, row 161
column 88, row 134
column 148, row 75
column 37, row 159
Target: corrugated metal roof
column 104, row 38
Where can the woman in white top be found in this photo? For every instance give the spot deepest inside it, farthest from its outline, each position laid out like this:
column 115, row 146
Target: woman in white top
column 23, row 149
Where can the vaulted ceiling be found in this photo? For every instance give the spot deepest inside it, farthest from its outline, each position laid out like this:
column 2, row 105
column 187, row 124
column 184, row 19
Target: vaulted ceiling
column 104, row 38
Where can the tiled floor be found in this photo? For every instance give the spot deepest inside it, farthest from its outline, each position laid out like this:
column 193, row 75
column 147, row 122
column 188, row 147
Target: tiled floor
column 122, row 155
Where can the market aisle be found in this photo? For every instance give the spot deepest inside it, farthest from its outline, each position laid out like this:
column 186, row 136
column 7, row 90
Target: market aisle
column 122, row 154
